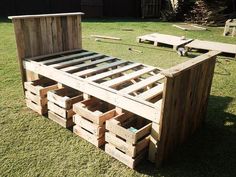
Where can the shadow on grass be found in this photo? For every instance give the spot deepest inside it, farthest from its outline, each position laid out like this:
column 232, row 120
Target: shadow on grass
column 211, row 151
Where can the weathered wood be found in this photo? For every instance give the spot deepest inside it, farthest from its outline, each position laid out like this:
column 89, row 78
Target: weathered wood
column 164, row 39
column 38, row 35
column 66, row 123
column 184, row 102
column 212, row 46
column 98, row 142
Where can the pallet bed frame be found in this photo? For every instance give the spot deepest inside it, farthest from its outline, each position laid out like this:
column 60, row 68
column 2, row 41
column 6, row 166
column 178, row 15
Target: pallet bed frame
column 51, row 46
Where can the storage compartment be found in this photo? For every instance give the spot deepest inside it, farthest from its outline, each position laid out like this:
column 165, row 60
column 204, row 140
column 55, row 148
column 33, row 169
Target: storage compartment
column 36, row 94
column 90, row 119
column 127, row 138
column 60, row 103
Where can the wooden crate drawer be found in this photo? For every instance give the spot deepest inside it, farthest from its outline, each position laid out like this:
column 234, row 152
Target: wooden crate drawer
column 42, row 110
column 40, row 87
column 94, row 129
column 36, row 99
column 88, row 136
column 64, row 97
column 66, row 123
column 127, row 148
column 60, row 111
column 129, row 127
column 119, row 155
column 94, row 110
column 60, row 103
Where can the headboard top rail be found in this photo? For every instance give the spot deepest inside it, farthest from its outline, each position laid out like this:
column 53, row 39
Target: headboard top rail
column 46, row 15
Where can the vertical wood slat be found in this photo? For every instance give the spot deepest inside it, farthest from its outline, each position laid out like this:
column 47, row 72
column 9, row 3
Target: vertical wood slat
column 184, row 107
column 44, row 35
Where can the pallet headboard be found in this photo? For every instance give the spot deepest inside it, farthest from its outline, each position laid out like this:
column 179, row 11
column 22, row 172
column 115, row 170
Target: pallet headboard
column 46, row 34
column 186, row 92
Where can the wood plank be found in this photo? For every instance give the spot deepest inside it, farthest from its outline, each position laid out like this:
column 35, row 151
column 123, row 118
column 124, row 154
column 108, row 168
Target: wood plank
column 125, row 159
column 178, row 69
column 99, row 68
column 76, row 61
column 66, row 114
column 113, row 72
column 98, row 142
column 151, row 93
column 66, row 123
column 133, row 75
column 142, row 84
column 46, row 15
column 98, row 60
column 212, row 46
column 95, row 129
column 64, row 58
column 35, row 98
column 42, row 110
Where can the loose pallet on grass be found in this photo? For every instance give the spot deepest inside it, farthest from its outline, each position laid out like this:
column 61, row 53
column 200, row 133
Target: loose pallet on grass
column 158, row 38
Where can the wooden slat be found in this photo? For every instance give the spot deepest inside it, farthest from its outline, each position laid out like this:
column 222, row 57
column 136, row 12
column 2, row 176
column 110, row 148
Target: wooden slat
column 178, row 69
column 46, row 15
column 66, row 123
column 113, row 72
column 80, row 66
column 76, row 61
column 213, row 46
column 99, row 68
column 101, row 92
column 122, row 79
column 64, row 58
column 151, row 93
column 142, row 84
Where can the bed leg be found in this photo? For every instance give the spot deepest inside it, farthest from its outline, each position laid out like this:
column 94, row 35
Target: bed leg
column 153, row 142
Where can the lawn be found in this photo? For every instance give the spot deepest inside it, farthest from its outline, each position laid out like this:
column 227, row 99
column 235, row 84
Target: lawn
column 31, row 145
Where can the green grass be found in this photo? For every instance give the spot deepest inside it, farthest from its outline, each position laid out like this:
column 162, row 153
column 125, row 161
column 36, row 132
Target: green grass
column 31, row 145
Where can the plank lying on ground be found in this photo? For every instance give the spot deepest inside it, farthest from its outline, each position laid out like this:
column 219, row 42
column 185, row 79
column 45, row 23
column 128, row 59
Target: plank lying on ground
column 217, row 46
column 190, row 27
column 106, row 37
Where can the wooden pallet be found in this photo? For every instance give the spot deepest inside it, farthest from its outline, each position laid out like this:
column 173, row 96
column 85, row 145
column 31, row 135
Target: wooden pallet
column 126, row 84
column 127, row 138
column 36, row 94
column 212, row 46
column 230, row 27
column 90, row 118
column 60, row 104
column 158, row 38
